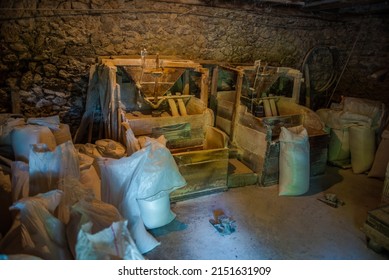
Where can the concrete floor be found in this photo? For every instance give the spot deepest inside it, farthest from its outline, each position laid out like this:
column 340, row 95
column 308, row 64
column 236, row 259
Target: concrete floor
column 269, row 226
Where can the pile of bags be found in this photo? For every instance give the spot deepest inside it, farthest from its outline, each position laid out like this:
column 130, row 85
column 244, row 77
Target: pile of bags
column 355, row 128
column 84, row 201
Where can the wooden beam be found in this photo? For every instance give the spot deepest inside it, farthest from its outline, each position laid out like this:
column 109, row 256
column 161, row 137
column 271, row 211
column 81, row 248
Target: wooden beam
column 204, row 85
column 235, row 113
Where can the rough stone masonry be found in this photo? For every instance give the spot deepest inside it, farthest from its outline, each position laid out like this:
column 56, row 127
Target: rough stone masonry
column 48, row 46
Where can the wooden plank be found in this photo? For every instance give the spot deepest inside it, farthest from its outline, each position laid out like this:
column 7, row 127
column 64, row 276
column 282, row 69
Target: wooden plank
column 144, row 126
column 240, row 175
column 15, row 100
column 164, row 62
column 215, row 138
column 235, row 114
column 192, row 157
column 225, row 109
column 204, row 85
column 186, row 78
column 203, row 177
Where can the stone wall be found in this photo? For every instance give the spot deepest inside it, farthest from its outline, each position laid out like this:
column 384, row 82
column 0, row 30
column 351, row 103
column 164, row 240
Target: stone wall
column 48, row 46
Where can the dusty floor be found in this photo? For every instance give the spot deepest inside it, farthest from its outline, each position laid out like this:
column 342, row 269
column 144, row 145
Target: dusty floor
column 272, row 227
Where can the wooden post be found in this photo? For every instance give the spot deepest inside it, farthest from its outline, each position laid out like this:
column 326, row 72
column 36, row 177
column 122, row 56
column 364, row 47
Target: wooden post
column 186, row 89
column 235, row 112
column 213, row 99
column 296, row 86
column 307, row 87
column 15, row 99
column 204, row 85
column 215, row 78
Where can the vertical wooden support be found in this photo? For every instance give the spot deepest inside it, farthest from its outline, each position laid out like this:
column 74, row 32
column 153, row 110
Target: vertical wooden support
column 215, row 78
column 307, row 87
column 15, row 99
column 204, row 85
column 213, row 98
column 186, row 89
column 117, row 105
column 296, row 86
column 110, row 103
column 235, row 112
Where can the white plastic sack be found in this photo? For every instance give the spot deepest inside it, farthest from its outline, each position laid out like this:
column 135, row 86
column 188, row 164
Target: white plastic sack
column 94, row 211
column 35, row 230
column 73, row 191
column 144, row 140
column 375, row 110
column 24, row 136
column 18, row 257
column 90, row 150
column 132, row 143
column 114, row 242
column 20, row 180
column 348, row 119
column 156, row 213
column 294, row 165
column 331, row 118
column 148, row 174
column 91, row 180
column 47, row 168
column 110, row 148
column 62, row 133
column 362, row 148
column 50, row 122
column 339, row 146
column 7, row 124
column 85, row 161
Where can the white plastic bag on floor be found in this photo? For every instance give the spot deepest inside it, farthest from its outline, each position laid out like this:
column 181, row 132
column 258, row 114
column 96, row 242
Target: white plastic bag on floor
column 50, row 122
column 148, row 174
column 101, row 216
column 362, row 147
column 114, row 242
column 73, row 191
column 24, row 136
column 35, row 230
column 47, row 168
column 7, row 124
column 91, row 180
column 375, row 110
column 156, row 213
column 20, row 180
column 132, row 143
column 62, row 134
column 294, row 165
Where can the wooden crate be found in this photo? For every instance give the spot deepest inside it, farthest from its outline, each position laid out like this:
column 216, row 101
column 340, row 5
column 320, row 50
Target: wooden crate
column 385, row 190
column 257, row 138
column 199, row 149
column 204, row 171
column 376, row 229
column 317, row 159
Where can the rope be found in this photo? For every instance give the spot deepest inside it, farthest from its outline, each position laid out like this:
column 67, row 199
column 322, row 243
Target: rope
column 345, row 65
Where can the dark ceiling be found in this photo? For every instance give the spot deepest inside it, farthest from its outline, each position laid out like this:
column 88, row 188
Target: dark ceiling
column 345, row 6
column 338, row 7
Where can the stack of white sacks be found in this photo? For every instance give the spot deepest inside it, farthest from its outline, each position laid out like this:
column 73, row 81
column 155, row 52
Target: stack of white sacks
column 61, row 208
column 356, row 127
